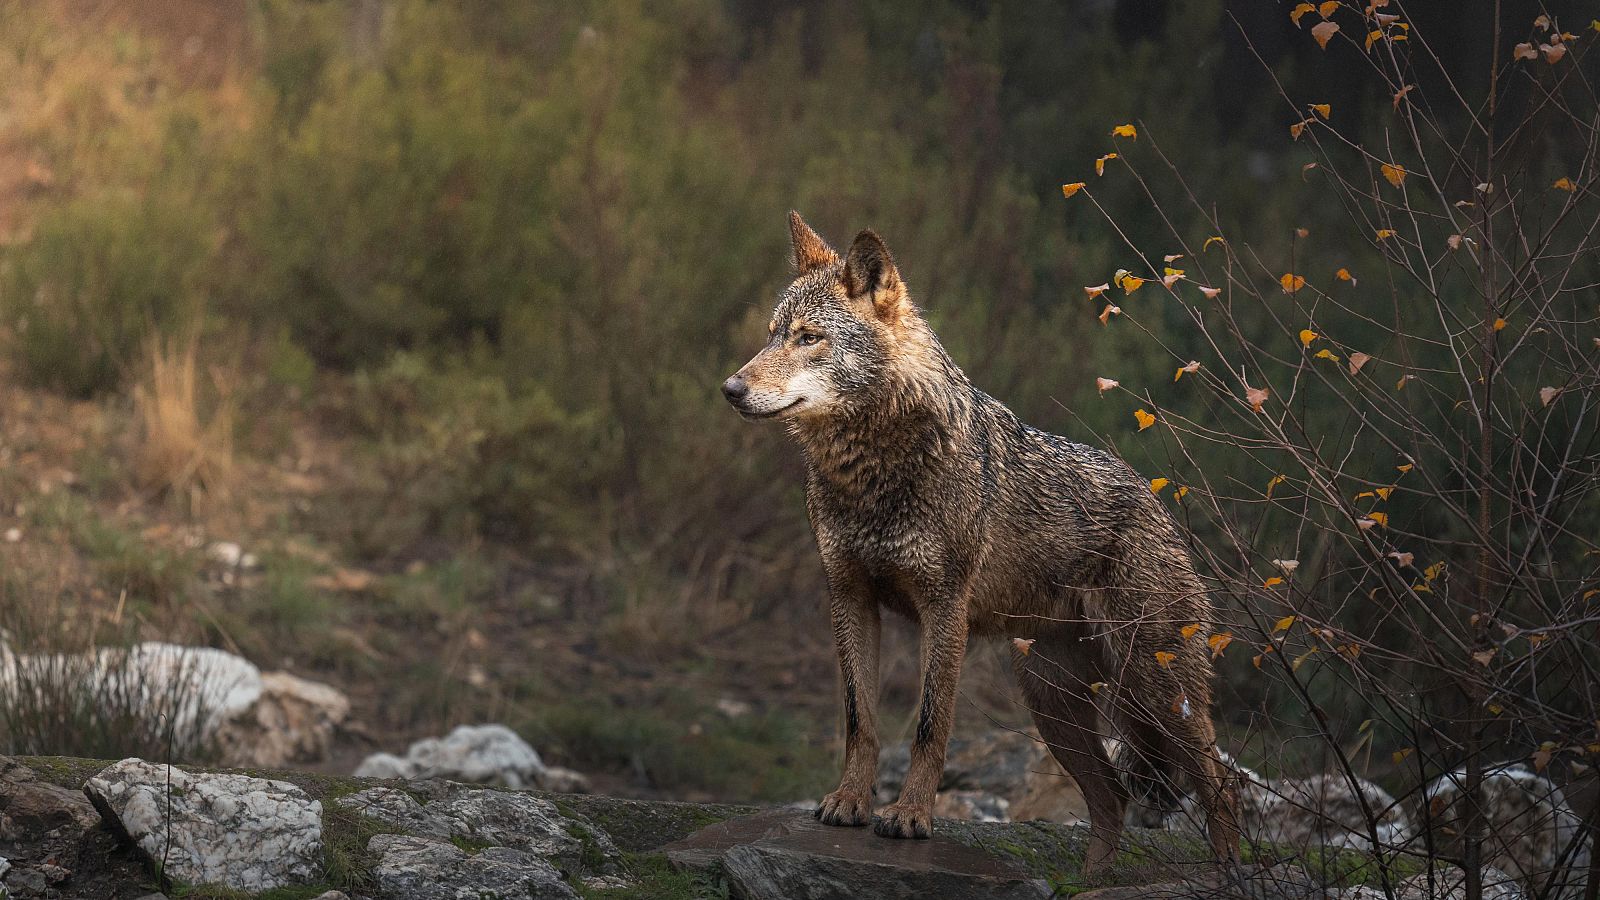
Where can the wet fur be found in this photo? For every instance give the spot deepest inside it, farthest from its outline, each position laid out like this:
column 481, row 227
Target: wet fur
column 930, row 498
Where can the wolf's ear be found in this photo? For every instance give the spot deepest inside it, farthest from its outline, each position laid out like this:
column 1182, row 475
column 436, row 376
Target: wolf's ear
column 810, row 251
column 869, row 271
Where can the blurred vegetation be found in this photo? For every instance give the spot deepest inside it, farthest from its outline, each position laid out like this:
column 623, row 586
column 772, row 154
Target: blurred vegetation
column 512, row 249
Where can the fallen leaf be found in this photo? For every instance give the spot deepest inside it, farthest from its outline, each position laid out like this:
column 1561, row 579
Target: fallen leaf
column 1357, row 360
column 1394, row 174
column 1024, row 645
column 1547, row 394
column 1541, row 757
column 1106, row 384
column 1324, row 32
column 1483, row 657
column 1144, row 419
column 1067, row 190
column 1256, row 397
column 1291, row 282
column 1307, row 336
column 1127, row 131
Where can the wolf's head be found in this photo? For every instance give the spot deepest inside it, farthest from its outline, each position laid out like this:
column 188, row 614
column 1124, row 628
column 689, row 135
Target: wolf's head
column 835, row 332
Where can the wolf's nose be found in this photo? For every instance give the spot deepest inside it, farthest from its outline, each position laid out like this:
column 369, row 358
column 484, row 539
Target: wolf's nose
column 735, row 388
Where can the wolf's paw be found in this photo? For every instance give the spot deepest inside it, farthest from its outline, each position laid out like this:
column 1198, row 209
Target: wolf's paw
column 845, row 807
column 903, row 820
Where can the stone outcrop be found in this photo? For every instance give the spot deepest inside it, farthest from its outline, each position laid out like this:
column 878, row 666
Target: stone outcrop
column 292, row 720
column 426, row 868
column 249, row 834
column 1532, row 834
column 476, row 754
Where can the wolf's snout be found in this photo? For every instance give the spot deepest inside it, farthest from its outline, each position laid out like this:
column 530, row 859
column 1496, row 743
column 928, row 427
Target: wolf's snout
column 735, row 389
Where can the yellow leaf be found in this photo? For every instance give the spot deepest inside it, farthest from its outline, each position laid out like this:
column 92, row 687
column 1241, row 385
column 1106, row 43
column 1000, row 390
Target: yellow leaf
column 1132, row 283
column 1256, row 397
column 1327, row 354
column 1024, row 645
column 1273, row 581
column 1394, row 174
column 1191, row 368
column 1108, row 312
column 1565, row 184
column 1499, row 324
column 1284, row 624
column 1181, row 492
column 1100, row 164
column 1433, row 571
column 1373, row 37
column 1307, row 336
column 1300, row 10
column 1127, row 131
column 1404, row 468
column 1096, row 290
column 1067, row 190
column 1096, row 687
column 1164, row 658
column 1219, row 642
column 1296, row 128
column 1274, row 482
column 1399, row 756
column 1383, row 492
column 1157, row 485
column 1344, row 275
column 1383, row 234
column 1380, row 517
column 1170, row 271
column 1322, row 109
column 1324, row 32
column 1295, row 666
column 1106, row 384
column 1291, row 282
column 1214, row 239
column 1144, row 419
column 1190, row 630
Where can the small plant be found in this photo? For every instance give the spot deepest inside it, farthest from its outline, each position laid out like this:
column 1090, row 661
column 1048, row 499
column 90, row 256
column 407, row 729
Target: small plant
column 180, row 452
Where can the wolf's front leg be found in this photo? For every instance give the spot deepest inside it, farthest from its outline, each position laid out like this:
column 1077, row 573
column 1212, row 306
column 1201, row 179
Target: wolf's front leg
column 944, row 643
column 855, row 631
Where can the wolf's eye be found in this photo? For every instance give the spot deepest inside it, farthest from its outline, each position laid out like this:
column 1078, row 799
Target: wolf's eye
column 808, row 339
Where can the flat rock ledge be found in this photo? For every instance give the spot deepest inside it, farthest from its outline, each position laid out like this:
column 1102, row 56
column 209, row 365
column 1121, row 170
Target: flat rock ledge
column 417, row 840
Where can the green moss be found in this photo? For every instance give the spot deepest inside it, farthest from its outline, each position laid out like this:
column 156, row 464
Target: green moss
column 654, row 878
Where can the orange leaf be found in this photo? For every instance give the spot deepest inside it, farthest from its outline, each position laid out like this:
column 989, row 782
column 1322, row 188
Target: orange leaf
column 1565, row 184
column 1189, row 631
column 1131, row 283
column 1067, row 190
column 1383, row 493
column 1024, row 645
column 1219, row 642
column 1395, row 174
column 1284, row 624
column 1381, row 518
column 1144, row 419
column 1108, row 312
column 1157, row 485
column 1296, row 128
column 1300, row 10
column 1400, row 95
column 1180, row 492
column 1324, row 32
column 1096, row 290
column 1384, row 234
column 1344, row 275
column 1327, row 8
column 1127, row 131
column 1274, row 482
column 1307, row 336
column 1273, row 581
column 1322, row 109
column 1291, row 282
column 1100, row 164
column 1499, row 324
column 1164, row 658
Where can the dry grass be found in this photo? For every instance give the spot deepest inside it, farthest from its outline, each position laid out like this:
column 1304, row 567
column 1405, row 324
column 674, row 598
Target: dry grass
column 181, row 450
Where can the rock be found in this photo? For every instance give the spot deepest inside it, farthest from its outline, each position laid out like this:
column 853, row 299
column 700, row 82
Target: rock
column 249, row 834
column 1279, row 882
column 332, row 895
column 1049, row 793
column 31, row 809
column 1531, row 832
column 564, row 781
column 423, row 868
column 997, row 763
column 499, row 818
column 231, row 555
column 1322, row 810
column 1447, row 882
column 788, row 854
column 293, row 720
column 478, row 754
column 197, row 688
column 973, row 806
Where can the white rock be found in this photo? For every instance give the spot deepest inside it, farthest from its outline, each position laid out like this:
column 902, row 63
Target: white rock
column 424, row 868
column 1531, row 832
column 1449, row 882
column 292, row 721
column 231, row 555
column 249, row 834
column 478, row 754
column 1322, row 810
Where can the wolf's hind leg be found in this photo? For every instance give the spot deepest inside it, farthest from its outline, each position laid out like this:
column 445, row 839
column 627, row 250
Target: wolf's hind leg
column 1060, row 700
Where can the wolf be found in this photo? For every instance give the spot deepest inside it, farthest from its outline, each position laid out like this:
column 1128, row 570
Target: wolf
column 931, row 499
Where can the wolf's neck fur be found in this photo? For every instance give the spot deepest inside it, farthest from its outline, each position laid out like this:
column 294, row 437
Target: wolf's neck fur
column 917, row 415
